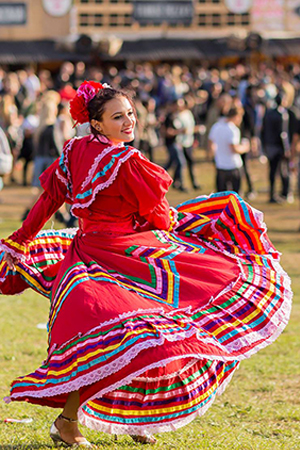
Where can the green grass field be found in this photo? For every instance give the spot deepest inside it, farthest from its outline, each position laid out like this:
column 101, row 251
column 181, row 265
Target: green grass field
column 260, row 410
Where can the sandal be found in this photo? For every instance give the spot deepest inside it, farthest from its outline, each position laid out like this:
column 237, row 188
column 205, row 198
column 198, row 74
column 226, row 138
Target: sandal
column 145, row 438
column 58, row 440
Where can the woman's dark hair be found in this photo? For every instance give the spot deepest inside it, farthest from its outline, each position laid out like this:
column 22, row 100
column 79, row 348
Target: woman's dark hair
column 96, row 106
column 233, row 112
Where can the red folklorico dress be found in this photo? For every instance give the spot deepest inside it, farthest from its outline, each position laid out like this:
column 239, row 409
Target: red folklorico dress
column 152, row 308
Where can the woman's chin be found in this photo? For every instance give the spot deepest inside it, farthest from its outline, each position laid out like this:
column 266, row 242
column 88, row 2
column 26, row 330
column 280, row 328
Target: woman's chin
column 129, row 138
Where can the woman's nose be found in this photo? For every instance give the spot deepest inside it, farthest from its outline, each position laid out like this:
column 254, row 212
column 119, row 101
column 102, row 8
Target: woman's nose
column 129, row 120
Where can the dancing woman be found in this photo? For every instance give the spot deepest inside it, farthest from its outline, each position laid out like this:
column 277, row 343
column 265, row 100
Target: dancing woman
column 151, row 308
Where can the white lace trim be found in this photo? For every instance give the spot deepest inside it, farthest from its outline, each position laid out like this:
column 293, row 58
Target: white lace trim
column 42, row 233
column 258, row 215
column 71, row 231
column 167, row 377
column 117, row 319
column 68, row 148
column 108, row 182
column 12, row 252
column 275, row 327
column 61, row 178
column 97, row 160
column 154, row 427
column 67, row 181
column 124, row 360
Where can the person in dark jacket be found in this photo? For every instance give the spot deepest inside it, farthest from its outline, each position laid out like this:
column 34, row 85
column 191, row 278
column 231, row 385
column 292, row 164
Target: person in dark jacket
column 279, row 135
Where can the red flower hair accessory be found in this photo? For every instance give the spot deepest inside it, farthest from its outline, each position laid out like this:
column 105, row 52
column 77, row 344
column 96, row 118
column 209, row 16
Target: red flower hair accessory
column 85, row 93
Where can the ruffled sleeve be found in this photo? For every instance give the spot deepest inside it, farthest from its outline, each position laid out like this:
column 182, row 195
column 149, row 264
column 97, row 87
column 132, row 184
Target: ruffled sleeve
column 57, row 189
column 56, row 180
column 17, row 244
column 144, row 185
column 57, row 184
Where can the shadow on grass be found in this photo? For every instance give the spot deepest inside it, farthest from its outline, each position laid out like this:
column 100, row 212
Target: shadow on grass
column 49, row 446
column 25, row 446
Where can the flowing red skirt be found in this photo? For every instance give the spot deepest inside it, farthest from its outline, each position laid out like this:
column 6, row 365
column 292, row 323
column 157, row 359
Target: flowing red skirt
column 150, row 326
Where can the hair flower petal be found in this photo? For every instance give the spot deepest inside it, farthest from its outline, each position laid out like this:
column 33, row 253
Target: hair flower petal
column 85, row 93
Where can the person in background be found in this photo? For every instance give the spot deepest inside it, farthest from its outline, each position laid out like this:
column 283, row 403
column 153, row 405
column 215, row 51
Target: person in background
column 172, row 129
column 65, row 75
column 225, row 145
column 63, row 131
column 6, row 158
column 217, row 109
column 63, row 127
column 10, row 120
column 29, row 125
column 248, row 131
column 79, row 74
column 187, row 138
column 148, row 130
column 32, row 84
column 46, row 149
column 279, row 135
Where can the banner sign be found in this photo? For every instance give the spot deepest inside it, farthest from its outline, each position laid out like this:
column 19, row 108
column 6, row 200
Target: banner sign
column 268, row 15
column 155, row 12
column 238, row 6
column 13, row 14
column 293, row 15
column 57, row 8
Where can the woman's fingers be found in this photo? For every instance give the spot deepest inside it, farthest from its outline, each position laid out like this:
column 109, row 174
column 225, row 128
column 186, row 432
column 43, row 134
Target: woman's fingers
column 11, row 261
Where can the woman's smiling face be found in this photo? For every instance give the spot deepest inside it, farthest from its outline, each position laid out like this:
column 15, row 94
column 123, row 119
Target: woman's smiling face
column 118, row 120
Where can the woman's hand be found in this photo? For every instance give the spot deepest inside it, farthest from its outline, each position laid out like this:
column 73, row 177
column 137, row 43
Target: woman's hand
column 11, row 260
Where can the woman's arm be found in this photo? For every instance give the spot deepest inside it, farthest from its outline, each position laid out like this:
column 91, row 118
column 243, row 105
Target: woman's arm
column 159, row 217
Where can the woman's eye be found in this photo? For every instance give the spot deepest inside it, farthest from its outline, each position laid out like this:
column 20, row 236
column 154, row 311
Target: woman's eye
column 117, row 117
column 130, row 113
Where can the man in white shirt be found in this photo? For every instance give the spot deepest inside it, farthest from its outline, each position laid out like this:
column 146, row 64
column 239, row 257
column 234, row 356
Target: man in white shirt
column 224, row 141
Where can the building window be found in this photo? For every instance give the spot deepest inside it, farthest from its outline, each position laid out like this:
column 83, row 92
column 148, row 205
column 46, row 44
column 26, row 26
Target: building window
column 230, row 19
column 202, row 19
column 209, row 1
column 245, row 19
column 98, row 20
column 127, row 20
column 113, row 19
column 216, row 20
column 118, row 13
column 83, row 20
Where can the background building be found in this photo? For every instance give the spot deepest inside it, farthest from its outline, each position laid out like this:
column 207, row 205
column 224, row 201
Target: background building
column 55, row 30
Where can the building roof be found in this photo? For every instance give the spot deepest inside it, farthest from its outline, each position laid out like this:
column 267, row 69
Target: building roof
column 24, row 52
column 282, row 47
column 157, row 49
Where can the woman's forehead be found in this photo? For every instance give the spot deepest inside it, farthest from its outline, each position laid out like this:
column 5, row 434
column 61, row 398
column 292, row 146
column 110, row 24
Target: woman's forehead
column 117, row 104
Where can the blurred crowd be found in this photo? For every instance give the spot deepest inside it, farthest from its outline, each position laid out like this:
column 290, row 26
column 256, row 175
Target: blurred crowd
column 232, row 113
